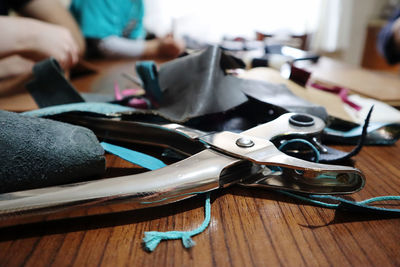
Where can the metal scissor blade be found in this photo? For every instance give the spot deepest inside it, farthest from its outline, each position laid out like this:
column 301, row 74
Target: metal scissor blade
column 295, row 174
column 289, row 173
column 189, row 177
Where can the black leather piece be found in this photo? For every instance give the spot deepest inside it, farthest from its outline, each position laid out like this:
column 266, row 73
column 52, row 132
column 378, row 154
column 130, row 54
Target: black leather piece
column 40, row 152
column 386, row 135
column 49, row 86
column 341, row 156
column 241, row 118
column 249, row 114
column 196, row 85
column 279, row 95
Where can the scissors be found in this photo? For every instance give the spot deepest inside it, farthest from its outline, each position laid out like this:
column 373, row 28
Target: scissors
column 213, row 160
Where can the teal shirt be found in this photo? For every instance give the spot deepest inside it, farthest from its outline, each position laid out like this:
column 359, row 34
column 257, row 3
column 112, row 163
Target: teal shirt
column 103, row 18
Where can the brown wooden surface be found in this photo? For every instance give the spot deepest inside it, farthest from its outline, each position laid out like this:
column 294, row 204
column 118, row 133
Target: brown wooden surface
column 248, row 227
column 382, row 86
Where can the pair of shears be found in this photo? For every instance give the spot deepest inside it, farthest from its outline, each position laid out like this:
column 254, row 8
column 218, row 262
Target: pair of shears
column 213, row 160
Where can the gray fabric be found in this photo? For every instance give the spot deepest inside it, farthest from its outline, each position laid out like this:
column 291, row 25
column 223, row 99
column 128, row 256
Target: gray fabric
column 196, row 85
column 38, row 152
column 280, row 95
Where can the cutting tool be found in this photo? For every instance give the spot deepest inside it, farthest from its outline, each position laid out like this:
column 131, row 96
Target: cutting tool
column 213, row 160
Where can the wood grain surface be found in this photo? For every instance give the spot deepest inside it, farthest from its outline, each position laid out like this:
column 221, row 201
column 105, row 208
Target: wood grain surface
column 249, row 227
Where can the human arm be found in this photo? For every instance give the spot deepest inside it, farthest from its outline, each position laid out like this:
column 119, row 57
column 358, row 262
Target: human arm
column 14, row 66
column 54, row 12
column 36, row 40
column 114, row 46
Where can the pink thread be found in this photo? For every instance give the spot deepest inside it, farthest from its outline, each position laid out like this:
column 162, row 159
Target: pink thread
column 117, row 92
column 342, row 92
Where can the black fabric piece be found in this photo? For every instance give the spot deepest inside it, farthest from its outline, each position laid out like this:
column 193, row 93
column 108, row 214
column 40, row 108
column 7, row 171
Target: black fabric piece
column 40, row 152
column 49, row 86
column 245, row 116
column 329, row 158
column 241, row 118
column 385, row 135
column 281, row 96
column 195, row 85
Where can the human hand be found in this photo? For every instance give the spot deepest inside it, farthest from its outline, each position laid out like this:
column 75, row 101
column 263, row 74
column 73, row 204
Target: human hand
column 170, row 47
column 50, row 40
column 14, row 66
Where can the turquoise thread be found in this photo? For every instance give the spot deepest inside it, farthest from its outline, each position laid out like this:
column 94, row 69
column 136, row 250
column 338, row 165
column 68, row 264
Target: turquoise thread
column 382, row 198
column 134, row 157
column 147, row 71
column 310, row 200
column 362, row 203
column 297, row 140
column 153, row 238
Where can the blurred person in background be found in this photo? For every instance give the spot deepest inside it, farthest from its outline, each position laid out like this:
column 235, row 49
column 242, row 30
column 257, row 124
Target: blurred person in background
column 114, row 28
column 389, row 39
column 44, row 28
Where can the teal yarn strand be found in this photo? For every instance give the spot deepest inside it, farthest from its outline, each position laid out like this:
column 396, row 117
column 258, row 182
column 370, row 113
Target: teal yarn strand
column 153, row 238
column 361, row 204
column 303, row 141
column 377, row 199
column 310, row 200
column 133, row 156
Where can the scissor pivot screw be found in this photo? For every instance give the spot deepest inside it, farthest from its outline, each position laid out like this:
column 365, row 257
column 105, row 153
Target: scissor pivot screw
column 244, row 142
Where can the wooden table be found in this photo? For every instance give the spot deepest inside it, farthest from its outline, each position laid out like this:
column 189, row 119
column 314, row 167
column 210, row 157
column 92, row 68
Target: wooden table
column 249, row 227
column 378, row 85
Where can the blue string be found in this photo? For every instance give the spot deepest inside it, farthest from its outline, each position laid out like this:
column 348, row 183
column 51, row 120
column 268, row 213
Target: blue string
column 360, row 204
column 147, row 71
column 134, row 157
column 153, row 238
column 363, row 204
column 297, row 140
column 340, row 201
column 308, row 199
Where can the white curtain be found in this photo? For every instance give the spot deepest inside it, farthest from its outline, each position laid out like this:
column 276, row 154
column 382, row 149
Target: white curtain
column 332, row 31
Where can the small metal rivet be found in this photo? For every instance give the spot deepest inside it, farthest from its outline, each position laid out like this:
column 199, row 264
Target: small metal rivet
column 244, row 142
